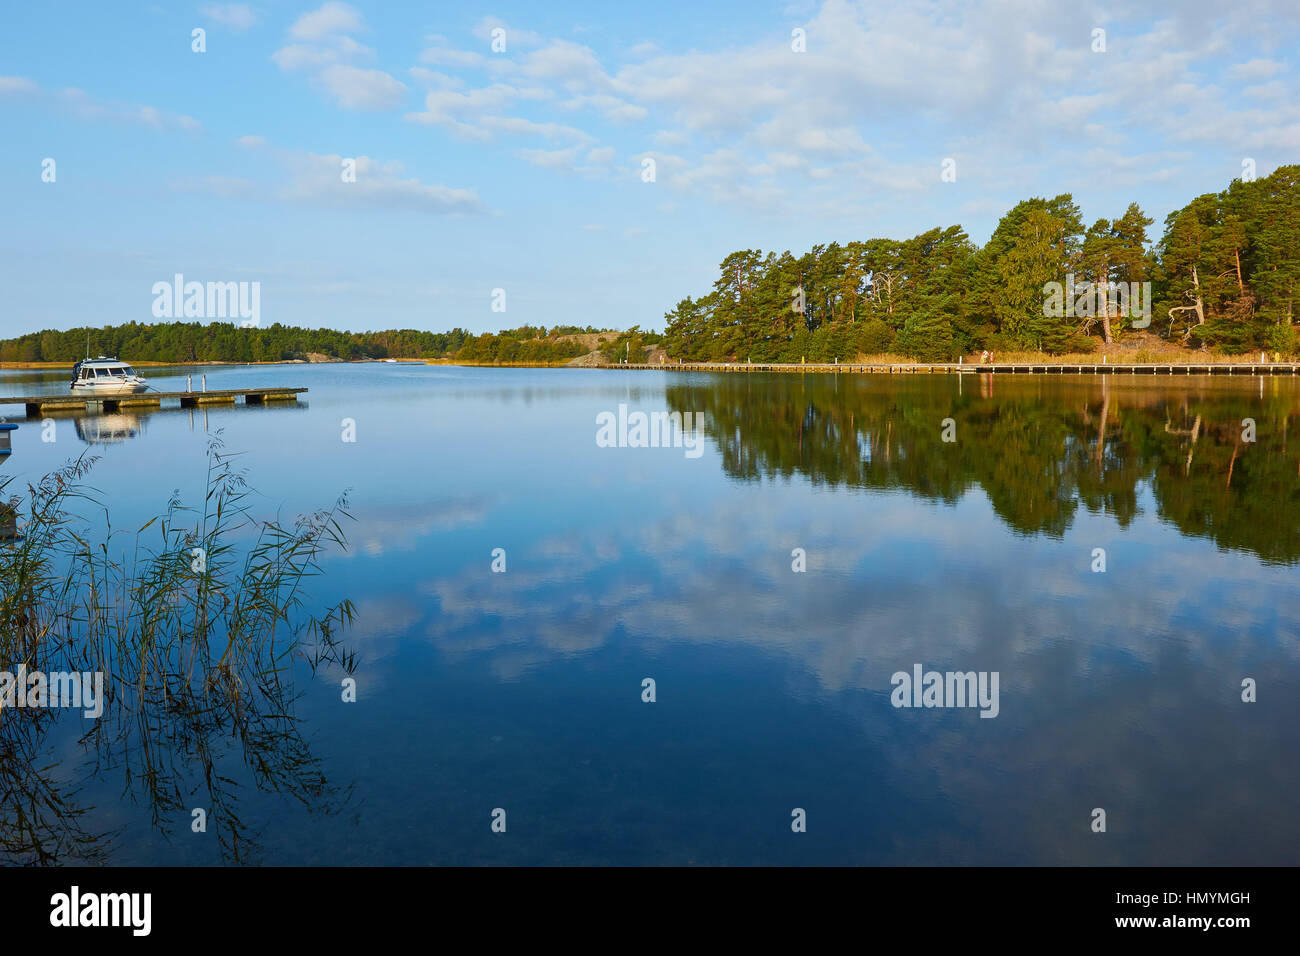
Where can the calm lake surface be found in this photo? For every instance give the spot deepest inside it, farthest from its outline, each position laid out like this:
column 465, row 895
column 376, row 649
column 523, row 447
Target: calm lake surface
column 522, row 690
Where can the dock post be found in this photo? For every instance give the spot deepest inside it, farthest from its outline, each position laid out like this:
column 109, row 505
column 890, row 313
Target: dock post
column 189, row 383
column 205, row 381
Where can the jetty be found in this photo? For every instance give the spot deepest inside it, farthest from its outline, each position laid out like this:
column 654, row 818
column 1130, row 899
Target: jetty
column 1001, row 368
column 36, row 404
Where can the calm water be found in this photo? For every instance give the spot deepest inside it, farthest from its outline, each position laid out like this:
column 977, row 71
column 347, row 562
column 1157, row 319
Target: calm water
column 523, row 690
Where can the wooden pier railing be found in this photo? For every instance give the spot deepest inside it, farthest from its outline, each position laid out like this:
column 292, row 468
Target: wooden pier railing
column 1019, row 368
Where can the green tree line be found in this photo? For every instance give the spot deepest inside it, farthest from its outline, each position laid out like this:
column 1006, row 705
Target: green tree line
column 225, row 342
column 1223, row 275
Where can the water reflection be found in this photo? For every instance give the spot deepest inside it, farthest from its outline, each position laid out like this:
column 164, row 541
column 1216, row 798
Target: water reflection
column 191, row 640
column 168, row 758
column 1118, row 690
column 115, row 428
column 1039, row 450
column 108, row 429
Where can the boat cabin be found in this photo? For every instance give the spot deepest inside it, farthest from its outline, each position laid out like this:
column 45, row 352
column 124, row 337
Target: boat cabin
column 101, row 368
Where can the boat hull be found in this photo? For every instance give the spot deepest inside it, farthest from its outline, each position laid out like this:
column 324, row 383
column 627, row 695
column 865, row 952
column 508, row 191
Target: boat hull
column 107, row 389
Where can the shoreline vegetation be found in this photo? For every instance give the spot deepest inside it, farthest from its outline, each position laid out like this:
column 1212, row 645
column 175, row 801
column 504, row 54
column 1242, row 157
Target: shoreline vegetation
column 1123, row 353
column 192, row 623
column 1221, row 284
column 64, row 365
column 1130, row 349
column 1222, row 279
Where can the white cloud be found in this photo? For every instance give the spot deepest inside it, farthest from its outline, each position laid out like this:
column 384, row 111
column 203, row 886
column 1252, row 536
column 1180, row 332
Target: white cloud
column 575, row 67
column 16, row 84
column 326, row 52
column 514, row 37
column 332, row 18
column 588, row 163
column 84, row 107
column 237, row 16
column 444, row 56
column 296, row 56
column 432, row 78
column 474, row 114
column 317, row 179
column 882, row 93
column 1273, row 90
column 517, row 125
column 613, row 108
column 551, row 158
column 358, row 89
column 1256, row 69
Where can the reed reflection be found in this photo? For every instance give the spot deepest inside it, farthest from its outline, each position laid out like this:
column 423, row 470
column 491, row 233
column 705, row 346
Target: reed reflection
column 191, row 637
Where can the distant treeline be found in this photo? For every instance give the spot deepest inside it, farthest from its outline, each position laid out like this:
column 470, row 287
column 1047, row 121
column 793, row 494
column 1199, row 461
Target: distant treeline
column 1225, row 274
column 224, row 342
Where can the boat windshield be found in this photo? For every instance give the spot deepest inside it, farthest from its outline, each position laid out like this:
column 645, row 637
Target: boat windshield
column 105, row 371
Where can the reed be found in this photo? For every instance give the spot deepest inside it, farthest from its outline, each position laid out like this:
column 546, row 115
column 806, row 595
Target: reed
column 194, row 619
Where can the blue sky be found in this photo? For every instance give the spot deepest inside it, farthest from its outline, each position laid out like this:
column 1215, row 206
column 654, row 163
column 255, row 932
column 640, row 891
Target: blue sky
column 522, row 169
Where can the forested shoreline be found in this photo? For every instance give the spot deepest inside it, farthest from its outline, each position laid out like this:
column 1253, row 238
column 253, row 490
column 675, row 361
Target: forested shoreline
column 224, row 342
column 1223, row 276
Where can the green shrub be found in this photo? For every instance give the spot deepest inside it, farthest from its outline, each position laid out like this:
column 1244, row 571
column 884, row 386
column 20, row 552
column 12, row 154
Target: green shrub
column 1282, row 339
column 875, row 338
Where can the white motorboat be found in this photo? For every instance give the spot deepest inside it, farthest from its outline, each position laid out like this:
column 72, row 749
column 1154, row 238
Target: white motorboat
column 105, row 376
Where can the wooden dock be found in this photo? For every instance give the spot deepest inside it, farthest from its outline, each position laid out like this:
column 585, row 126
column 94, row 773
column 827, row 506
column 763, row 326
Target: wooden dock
column 35, row 404
column 1101, row 368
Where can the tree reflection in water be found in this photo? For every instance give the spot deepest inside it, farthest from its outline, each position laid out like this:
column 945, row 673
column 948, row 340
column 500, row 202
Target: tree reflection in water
column 1039, row 448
